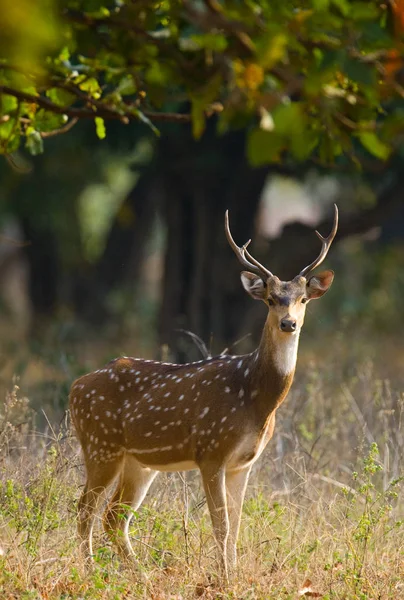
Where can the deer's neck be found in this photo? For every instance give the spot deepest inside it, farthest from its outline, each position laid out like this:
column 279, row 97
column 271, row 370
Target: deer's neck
column 274, row 368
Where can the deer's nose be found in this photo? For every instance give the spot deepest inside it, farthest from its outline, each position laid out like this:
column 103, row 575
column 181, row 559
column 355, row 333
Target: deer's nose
column 288, row 325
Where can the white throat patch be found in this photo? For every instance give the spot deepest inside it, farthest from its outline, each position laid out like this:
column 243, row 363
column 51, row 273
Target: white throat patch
column 285, row 352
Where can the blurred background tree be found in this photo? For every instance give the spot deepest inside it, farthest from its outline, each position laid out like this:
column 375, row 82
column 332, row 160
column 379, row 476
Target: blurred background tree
column 128, row 127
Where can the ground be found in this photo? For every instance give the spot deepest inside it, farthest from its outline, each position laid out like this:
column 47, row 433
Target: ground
column 323, row 517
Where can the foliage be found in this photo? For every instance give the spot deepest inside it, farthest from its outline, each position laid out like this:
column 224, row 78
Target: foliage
column 318, row 78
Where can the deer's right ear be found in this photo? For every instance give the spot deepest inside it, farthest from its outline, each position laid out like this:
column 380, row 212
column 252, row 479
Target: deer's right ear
column 254, row 285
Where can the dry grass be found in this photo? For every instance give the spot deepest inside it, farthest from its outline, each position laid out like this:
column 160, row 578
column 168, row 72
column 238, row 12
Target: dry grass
column 323, row 503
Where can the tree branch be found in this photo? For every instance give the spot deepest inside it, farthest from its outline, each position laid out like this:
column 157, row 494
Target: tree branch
column 97, row 110
column 69, row 125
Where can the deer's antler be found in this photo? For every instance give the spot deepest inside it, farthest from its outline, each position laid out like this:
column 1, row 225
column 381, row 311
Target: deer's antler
column 245, row 258
column 326, row 243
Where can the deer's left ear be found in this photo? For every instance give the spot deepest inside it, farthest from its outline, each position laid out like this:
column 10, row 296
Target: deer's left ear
column 319, row 284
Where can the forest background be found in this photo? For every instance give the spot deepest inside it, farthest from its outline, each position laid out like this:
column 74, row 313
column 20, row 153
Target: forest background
column 126, row 130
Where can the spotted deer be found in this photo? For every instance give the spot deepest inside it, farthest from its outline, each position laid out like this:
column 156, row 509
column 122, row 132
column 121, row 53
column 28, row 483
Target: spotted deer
column 136, row 417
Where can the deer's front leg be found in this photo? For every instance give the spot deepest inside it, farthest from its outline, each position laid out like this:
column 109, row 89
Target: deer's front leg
column 215, row 490
column 236, row 484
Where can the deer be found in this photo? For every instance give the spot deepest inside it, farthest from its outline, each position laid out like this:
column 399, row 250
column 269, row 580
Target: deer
column 137, row 417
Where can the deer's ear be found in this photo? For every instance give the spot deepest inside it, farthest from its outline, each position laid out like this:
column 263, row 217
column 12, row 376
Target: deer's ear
column 254, row 285
column 319, row 284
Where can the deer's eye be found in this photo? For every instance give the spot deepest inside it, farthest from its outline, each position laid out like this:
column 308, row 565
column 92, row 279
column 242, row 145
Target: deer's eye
column 271, row 302
column 304, row 300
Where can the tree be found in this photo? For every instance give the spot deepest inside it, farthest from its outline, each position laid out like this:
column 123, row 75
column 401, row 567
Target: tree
column 311, row 79
column 287, row 84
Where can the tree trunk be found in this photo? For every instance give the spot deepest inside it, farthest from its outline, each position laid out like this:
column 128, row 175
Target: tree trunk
column 42, row 255
column 124, row 252
column 201, row 288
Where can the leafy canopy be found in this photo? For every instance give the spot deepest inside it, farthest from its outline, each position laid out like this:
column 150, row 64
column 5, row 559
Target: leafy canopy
column 312, row 78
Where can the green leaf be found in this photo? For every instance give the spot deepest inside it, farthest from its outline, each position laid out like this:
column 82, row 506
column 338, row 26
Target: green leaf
column 211, row 41
column 289, row 119
column 331, row 59
column 60, row 97
column 13, row 143
column 157, row 74
column 264, row 147
column 44, row 120
column 374, row 145
column 6, row 128
column 34, row 142
column 374, row 36
column 320, row 5
column 198, row 117
column 100, row 128
column 359, row 71
column 274, row 51
column 64, row 53
column 7, row 103
column 364, row 11
column 201, row 101
column 126, row 86
column 91, row 86
column 9, row 135
column 343, row 6
column 304, row 143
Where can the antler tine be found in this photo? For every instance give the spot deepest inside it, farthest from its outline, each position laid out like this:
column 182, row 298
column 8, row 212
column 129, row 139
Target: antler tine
column 326, row 243
column 255, row 262
column 250, row 262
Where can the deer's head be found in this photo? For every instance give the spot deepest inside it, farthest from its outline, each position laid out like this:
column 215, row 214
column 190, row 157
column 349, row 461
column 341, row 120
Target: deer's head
column 286, row 300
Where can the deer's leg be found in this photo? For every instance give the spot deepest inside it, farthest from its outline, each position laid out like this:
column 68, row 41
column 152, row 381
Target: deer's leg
column 134, row 481
column 99, row 477
column 215, row 490
column 236, row 484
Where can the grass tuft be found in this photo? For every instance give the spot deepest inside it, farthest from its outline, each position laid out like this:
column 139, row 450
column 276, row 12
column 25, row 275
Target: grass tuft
column 323, row 516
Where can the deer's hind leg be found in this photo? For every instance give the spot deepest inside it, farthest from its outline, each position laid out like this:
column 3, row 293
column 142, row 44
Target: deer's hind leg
column 99, row 477
column 133, row 484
